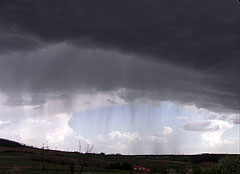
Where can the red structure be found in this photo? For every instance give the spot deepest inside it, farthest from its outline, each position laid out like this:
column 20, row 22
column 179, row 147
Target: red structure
column 141, row 169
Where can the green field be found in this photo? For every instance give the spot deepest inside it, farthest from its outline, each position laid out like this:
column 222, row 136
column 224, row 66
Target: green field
column 18, row 159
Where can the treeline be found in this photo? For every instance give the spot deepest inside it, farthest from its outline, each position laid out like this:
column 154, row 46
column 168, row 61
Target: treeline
column 198, row 158
column 207, row 158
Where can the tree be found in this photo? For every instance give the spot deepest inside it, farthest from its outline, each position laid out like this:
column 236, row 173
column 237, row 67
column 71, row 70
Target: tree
column 228, row 165
column 86, row 156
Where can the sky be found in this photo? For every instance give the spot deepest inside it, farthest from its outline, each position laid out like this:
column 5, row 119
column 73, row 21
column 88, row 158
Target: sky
column 129, row 76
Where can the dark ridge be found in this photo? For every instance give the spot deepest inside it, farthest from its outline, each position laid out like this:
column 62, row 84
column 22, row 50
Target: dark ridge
column 9, row 143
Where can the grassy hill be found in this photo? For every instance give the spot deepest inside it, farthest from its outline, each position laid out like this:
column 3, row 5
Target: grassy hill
column 9, row 143
column 18, row 158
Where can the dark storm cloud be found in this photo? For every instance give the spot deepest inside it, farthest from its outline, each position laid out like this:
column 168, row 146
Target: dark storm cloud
column 21, row 100
column 47, row 74
column 199, row 35
column 10, row 43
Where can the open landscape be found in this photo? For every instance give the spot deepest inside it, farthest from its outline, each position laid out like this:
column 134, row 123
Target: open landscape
column 21, row 159
column 119, row 87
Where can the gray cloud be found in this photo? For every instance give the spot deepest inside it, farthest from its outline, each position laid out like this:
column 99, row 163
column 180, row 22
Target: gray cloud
column 14, row 42
column 164, row 50
column 201, row 126
column 112, row 102
column 22, row 100
column 62, row 69
column 237, row 119
column 194, row 33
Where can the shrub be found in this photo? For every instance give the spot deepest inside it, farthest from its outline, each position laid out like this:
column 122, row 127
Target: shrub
column 228, row 165
column 120, row 166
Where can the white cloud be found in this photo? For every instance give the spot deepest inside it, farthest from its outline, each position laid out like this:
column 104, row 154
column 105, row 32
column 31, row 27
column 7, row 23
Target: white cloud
column 215, row 138
column 35, row 131
column 160, row 136
column 213, row 131
column 36, row 121
column 83, row 140
column 60, row 128
column 129, row 136
column 167, row 130
column 157, row 139
column 4, row 122
column 48, row 125
column 181, row 118
column 116, row 142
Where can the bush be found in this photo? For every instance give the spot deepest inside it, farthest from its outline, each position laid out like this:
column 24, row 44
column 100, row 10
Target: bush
column 120, row 166
column 102, row 153
column 228, row 165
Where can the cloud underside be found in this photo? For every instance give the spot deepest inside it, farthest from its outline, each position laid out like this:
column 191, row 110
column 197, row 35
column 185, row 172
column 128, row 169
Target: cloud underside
column 59, row 71
column 140, row 50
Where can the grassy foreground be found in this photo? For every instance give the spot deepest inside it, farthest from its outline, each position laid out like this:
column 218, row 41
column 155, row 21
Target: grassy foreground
column 18, row 159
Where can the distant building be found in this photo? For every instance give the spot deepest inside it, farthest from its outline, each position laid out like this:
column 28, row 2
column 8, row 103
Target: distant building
column 141, row 169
